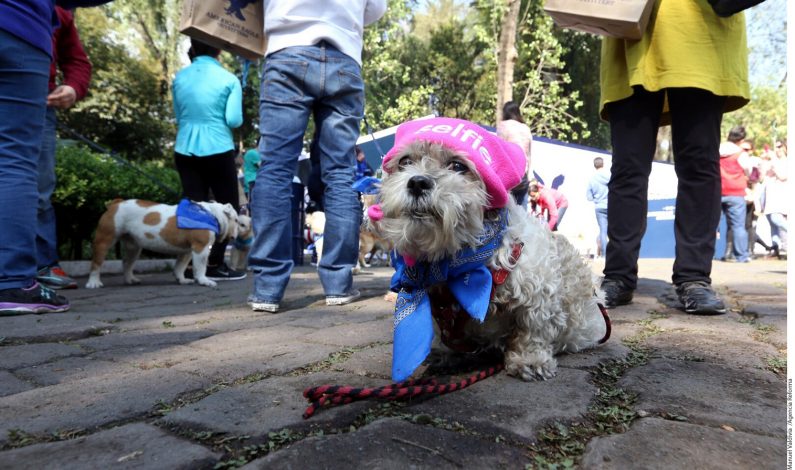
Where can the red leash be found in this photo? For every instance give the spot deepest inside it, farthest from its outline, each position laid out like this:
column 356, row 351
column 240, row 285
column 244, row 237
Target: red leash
column 333, row 395
column 607, row 322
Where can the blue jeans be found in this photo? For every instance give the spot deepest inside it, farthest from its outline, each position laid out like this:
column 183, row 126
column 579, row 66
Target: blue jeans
column 778, row 229
column 46, row 240
column 734, row 210
column 24, row 72
column 299, row 82
column 601, row 220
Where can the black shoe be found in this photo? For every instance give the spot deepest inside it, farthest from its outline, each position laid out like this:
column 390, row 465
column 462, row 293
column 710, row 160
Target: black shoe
column 224, row 273
column 616, row 293
column 698, row 298
column 34, row 299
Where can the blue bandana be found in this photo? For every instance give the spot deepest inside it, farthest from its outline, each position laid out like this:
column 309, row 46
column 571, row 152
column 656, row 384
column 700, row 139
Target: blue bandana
column 367, row 185
column 466, row 276
column 191, row 215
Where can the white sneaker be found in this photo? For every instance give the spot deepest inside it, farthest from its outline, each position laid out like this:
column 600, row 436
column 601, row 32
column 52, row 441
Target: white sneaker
column 263, row 306
column 343, row 299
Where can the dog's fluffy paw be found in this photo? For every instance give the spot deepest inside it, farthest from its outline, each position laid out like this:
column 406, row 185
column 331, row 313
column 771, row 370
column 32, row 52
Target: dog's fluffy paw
column 531, row 365
column 184, row 281
column 94, row 284
column 530, row 373
column 206, row 282
column 132, row 280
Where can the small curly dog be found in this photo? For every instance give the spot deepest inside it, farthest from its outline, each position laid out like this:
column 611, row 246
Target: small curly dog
column 471, row 261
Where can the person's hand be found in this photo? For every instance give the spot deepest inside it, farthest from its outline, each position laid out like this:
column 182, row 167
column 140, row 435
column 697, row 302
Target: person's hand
column 62, row 97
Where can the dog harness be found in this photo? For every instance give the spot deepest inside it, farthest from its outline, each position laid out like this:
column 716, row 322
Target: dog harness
column 452, row 320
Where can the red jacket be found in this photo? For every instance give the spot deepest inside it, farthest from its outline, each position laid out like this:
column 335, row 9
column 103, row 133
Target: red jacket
column 69, row 56
column 732, row 176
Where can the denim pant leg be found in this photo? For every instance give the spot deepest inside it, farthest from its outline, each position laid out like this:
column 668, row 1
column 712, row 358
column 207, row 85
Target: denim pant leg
column 601, row 221
column 286, row 99
column 337, row 116
column 778, row 229
column 24, row 71
column 46, row 239
column 734, row 209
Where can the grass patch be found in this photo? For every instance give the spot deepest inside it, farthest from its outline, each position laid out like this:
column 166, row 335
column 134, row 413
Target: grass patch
column 19, row 438
column 561, row 445
column 777, row 365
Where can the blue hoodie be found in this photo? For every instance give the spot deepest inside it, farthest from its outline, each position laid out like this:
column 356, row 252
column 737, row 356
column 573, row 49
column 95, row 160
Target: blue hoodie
column 33, row 20
column 597, row 188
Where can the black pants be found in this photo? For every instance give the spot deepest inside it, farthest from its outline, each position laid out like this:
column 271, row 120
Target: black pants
column 696, row 116
column 216, row 173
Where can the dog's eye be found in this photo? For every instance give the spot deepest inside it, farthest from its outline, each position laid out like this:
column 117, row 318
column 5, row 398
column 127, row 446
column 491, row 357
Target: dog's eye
column 457, row 166
column 405, row 161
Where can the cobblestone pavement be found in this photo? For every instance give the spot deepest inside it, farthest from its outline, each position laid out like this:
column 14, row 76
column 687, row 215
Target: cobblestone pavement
column 167, row 376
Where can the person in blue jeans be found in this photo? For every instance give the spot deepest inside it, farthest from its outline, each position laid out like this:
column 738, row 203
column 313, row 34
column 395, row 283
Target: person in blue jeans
column 597, row 193
column 26, row 28
column 312, row 68
column 735, row 166
column 70, row 58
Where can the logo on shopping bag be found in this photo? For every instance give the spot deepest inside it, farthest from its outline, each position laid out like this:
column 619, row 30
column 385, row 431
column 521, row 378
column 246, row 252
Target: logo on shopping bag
column 236, row 8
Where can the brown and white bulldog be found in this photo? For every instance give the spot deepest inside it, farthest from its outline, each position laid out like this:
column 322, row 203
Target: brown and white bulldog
column 149, row 225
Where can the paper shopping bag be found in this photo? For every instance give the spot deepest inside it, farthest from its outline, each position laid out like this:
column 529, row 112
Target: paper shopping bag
column 626, row 19
column 236, row 26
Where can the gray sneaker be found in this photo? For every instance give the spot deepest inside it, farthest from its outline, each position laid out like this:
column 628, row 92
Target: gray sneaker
column 698, row 298
column 343, row 299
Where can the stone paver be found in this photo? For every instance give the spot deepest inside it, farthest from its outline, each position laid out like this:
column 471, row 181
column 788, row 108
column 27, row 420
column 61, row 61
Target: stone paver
column 132, row 446
column 712, row 394
column 15, row 357
column 255, row 409
column 166, row 376
column 656, row 444
column 92, row 402
column 503, row 405
column 393, row 444
column 11, row 384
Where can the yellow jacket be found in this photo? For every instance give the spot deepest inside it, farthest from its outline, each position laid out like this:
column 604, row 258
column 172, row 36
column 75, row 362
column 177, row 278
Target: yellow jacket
column 686, row 45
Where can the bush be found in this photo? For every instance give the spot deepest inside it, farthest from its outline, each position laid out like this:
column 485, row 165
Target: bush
column 87, row 181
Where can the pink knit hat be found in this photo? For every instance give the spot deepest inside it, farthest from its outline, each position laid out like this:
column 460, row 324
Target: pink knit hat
column 500, row 164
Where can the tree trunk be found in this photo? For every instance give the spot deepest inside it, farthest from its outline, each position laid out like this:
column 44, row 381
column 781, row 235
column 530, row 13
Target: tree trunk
column 507, row 55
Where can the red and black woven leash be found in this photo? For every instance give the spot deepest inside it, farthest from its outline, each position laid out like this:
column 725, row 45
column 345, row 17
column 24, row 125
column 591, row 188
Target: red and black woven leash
column 608, row 325
column 333, row 395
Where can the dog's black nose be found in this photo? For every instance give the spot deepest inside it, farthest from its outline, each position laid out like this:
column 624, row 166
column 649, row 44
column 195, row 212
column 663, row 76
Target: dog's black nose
column 419, row 184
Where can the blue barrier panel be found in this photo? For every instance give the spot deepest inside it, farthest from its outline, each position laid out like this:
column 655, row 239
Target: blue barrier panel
column 658, row 242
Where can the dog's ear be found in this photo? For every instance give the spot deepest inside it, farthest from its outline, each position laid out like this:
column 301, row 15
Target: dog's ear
column 231, row 221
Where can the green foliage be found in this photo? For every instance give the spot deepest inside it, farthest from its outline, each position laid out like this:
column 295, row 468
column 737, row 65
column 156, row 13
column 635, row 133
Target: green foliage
column 88, row 181
column 392, row 91
column 127, row 107
column 764, row 118
column 582, row 59
column 248, row 132
column 549, row 104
